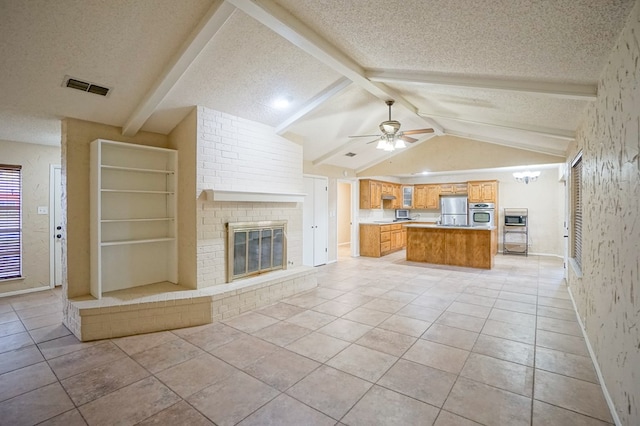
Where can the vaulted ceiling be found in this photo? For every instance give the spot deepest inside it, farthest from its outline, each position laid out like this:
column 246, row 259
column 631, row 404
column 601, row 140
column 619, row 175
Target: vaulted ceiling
column 511, row 72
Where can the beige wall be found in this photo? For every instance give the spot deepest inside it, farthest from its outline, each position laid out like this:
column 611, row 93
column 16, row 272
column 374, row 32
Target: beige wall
column 35, row 161
column 76, row 137
column 607, row 295
column 184, row 138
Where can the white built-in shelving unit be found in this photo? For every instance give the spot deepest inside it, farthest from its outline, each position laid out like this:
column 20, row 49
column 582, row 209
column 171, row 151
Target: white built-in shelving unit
column 133, row 213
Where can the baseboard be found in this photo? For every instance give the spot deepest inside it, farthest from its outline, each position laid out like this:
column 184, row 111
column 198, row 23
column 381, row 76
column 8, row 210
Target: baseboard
column 25, row 291
column 605, row 391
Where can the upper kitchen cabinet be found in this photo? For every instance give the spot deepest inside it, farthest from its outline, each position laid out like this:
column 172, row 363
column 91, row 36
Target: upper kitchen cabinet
column 375, row 194
column 483, row 191
column 370, row 194
column 407, row 197
column 453, row 188
column 426, row 196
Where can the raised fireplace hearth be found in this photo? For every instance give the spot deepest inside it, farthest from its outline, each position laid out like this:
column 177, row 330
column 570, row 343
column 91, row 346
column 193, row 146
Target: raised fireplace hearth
column 255, row 248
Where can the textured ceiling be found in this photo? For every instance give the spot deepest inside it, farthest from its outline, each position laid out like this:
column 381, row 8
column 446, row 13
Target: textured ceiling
column 511, row 72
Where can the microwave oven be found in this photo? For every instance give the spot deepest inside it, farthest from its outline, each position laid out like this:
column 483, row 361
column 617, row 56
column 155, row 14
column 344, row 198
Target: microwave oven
column 402, row 214
column 514, row 220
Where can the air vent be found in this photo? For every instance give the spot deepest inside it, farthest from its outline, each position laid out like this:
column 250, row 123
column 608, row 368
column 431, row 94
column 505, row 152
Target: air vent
column 85, row 86
column 350, row 154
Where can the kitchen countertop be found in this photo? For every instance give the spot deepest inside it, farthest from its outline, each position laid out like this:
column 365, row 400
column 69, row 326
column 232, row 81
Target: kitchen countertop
column 433, row 225
column 392, row 222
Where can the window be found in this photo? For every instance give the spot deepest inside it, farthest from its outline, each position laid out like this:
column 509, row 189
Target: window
column 576, row 210
column 10, row 222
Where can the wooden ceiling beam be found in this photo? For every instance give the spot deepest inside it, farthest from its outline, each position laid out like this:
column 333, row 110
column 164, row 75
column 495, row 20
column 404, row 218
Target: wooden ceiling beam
column 219, row 12
column 279, row 20
column 543, row 131
column 330, row 91
column 584, row 92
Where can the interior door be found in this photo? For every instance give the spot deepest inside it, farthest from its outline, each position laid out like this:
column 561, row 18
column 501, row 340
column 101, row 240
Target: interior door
column 321, row 216
column 315, row 221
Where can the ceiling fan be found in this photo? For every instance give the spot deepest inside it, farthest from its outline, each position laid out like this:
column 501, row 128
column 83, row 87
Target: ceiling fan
column 392, row 138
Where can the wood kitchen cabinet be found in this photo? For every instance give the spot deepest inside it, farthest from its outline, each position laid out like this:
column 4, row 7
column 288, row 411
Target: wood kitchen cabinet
column 483, row 191
column 407, row 196
column 380, row 240
column 370, row 194
column 453, row 188
column 426, row 196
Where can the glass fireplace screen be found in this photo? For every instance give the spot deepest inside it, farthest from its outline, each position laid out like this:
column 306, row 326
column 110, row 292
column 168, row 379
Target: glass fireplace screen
column 255, row 248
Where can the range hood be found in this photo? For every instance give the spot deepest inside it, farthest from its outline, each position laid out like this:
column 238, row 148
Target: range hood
column 388, row 197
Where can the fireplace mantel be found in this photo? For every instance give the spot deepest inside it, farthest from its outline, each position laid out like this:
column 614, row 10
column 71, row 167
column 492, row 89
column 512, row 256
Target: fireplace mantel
column 248, row 196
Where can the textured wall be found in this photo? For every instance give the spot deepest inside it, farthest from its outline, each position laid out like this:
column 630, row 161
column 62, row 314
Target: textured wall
column 608, row 293
column 237, row 154
column 35, row 161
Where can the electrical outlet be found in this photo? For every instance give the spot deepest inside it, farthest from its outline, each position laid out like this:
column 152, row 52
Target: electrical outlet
column 43, row 210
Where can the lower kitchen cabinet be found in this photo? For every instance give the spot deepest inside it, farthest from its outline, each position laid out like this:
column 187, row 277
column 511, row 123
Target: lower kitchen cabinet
column 380, row 240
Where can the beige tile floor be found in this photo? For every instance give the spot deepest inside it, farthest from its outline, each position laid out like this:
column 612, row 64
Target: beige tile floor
column 380, row 341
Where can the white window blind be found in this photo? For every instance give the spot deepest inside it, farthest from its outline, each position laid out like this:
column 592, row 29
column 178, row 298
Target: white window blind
column 10, row 222
column 576, row 210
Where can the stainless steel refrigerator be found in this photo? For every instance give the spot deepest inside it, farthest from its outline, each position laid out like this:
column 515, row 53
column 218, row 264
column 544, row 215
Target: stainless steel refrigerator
column 454, row 209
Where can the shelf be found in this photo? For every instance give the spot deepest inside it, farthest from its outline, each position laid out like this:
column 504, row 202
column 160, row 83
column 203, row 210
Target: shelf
column 127, row 242
column 133, row 210
column 265, row 197
column 150, row 219
column 137, row 191
column 137, row 170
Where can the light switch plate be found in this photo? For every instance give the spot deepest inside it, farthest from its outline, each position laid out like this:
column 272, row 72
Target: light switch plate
column 43, row 210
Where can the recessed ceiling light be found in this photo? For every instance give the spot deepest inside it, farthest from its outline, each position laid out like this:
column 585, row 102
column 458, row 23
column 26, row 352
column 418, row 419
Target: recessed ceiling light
column 282, row 103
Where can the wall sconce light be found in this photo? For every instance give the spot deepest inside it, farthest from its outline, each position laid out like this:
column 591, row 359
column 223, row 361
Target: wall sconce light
column 526, row 176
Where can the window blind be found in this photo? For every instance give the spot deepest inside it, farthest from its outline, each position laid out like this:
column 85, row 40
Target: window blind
column 10, row 222
column 576, row 211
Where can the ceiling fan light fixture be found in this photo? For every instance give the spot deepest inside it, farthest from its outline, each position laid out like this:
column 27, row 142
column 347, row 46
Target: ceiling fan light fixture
column 382, row 142
column 400, row 144
column 390, row 127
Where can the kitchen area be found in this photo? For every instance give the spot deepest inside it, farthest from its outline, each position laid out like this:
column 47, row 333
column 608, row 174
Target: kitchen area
column 446, row 223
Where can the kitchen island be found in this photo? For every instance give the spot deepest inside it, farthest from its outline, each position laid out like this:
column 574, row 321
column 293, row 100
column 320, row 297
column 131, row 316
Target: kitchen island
column 451, row 245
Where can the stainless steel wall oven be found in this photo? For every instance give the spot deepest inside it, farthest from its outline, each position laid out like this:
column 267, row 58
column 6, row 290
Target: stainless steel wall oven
column 482, row 214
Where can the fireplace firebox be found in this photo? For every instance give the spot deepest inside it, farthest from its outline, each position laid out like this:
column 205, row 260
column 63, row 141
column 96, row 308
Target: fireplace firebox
column 255, row 248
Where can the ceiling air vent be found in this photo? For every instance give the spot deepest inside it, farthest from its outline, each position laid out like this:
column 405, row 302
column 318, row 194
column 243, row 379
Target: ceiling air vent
column 85, row 86
column 350, row 154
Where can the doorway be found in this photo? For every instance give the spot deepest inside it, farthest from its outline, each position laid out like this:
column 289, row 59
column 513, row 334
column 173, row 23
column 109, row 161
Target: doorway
column 344, row 221
column 55, row 225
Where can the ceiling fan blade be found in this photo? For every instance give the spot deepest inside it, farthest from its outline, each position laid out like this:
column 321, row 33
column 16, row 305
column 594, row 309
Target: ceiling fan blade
column 375, row 140
column 417, row 131
column 365, row 136
column 408, row 139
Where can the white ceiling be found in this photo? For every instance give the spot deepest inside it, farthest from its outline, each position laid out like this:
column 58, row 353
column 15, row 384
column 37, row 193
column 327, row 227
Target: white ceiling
column 511, row 72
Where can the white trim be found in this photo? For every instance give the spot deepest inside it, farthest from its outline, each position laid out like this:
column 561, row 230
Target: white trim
column 52, row 238
column 326, row 94
column 263, row 197
column 576, row 158
column 26, row 290
column 587, row 92
column 605, row 391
